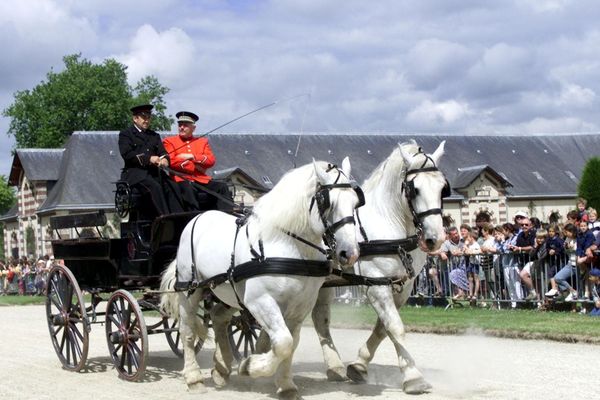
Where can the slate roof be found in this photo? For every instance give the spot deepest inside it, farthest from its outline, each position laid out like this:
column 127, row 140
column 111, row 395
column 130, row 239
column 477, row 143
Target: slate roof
column 11, row 215
column 466, row 176
column 38, row 164
column 91, row 162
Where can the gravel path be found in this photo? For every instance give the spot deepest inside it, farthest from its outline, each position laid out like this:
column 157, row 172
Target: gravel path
column 459, row 367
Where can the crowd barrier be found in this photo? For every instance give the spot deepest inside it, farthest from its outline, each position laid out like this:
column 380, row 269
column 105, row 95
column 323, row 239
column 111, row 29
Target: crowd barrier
column 500, row 283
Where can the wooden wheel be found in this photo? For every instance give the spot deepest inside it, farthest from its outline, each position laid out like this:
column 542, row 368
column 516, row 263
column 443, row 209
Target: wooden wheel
column 171, row 327
column 67, row 320
column 126, row 335
column 243, row 331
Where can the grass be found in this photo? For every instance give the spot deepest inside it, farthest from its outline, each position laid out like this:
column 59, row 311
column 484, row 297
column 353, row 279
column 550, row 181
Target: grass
column 525, row 324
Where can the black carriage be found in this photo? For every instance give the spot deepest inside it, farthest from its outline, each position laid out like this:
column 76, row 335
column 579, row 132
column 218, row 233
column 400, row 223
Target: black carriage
column 124, row 275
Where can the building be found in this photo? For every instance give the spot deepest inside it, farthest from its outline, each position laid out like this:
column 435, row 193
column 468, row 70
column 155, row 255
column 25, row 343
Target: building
column 492, row 176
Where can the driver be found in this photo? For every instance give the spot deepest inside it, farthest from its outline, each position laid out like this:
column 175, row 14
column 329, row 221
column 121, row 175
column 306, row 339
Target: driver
column 144, row 154
column 192, row 157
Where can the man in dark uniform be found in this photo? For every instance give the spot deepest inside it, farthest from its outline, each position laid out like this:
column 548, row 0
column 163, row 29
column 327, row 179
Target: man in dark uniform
column 191, row 157
column 143, row 153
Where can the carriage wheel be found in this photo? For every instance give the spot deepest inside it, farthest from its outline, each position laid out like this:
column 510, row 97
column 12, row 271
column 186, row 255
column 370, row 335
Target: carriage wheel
column 123, row 200
column 67, row 320
column 243, row 331
column 126, row 335
column 173, row 337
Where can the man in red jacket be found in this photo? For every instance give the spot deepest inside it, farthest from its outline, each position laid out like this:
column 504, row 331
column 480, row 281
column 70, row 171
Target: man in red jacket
column 191, row 157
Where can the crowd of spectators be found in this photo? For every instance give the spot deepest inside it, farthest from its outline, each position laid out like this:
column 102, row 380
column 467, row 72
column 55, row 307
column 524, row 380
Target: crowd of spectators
column 526, row 261
column 25, row 275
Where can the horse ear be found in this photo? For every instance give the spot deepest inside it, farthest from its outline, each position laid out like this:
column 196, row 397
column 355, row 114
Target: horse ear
column 438, row 152
column 321, row 174
column 405, row 155
column 346, row 168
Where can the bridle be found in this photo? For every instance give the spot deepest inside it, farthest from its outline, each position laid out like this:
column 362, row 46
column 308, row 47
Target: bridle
column 410, row 192
column 322, row 199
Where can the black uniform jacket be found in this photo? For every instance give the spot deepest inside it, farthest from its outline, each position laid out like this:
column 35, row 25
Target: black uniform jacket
column 136, row 148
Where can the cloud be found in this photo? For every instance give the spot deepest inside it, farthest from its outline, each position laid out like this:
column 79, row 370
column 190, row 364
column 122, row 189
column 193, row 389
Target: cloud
column 169, row 55
column 442, row 115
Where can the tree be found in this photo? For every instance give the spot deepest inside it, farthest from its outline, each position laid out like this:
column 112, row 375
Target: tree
column 7, row 200
column 7, row 195
column 84, row 96
column 589, row 185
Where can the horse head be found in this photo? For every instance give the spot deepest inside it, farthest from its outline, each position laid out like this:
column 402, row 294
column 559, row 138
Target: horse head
column 336, row 198
column 424, row 187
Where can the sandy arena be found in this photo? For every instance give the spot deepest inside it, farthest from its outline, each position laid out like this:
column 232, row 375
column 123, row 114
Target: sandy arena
column 458, row 367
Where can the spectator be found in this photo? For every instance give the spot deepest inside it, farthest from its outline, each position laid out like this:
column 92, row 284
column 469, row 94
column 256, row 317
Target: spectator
column 572, row 217
column 593, row 223
column 595, row 281
column 3, row 271
column 525, row 241
column 518, row 220
column 452, row 252
column 486, row 260
column 556, row 250
column 535, row 223
column 510, row 264
column 585, row 241
column 581, row 213
column 40, row 277
column 561, row 281
column 472, row 251
column 537, row 255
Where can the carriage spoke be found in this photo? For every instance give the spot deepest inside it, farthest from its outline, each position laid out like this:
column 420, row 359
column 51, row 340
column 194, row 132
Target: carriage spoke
column 239, row 342
column 113, row 319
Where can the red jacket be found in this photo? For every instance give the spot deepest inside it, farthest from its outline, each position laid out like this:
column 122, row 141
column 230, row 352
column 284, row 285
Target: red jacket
column 195, row 169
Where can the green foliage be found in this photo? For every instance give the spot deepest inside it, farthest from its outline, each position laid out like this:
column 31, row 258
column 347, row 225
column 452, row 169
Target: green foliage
column 589, row 185
column 84, row 96
column 150, row 91
column 7, row 195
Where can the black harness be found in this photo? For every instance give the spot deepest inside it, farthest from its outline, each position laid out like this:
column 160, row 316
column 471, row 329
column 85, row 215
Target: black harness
column 261, row 265
column 400, row 247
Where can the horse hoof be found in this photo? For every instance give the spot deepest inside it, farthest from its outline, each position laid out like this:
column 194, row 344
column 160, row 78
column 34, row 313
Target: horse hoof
column 336, row 374
column 357, row 373
column 288, row 394
column 197, row 387
column 219, row 379
column 416, row 386
column 193, row 378
column 244, row 368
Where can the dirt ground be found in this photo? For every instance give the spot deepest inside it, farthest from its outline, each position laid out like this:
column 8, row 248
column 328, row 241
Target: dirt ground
column 459, row 367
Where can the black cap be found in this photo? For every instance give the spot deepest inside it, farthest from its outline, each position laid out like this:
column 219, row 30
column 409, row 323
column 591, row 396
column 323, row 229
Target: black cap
column 186, row 116
column 143, row 108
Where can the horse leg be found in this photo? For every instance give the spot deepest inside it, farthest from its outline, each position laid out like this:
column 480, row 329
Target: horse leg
column 286, row 389
column 187, row 328
column 384, row 304
column 321, row 316
column 357, row 370
column 269, row 317
column 223, row 357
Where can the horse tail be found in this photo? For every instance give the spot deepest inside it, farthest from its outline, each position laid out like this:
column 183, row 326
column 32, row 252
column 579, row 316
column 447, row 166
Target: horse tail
column 169, row 302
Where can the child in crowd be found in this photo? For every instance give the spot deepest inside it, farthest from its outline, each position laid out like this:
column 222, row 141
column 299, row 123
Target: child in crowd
column 510, row 266
column 595, row 281
column 572, row 217
column 537, row 255
column 472, row 250
column 556, row 250
column 593, row 223
column 585, row 240
column 581, row 213
column 562, row 278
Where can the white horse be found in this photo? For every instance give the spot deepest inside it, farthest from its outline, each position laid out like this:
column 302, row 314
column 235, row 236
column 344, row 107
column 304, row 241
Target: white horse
column 403, row 195
column 307, row 203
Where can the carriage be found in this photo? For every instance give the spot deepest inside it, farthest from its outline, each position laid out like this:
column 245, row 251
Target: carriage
column 409, row 187
column 114, row 281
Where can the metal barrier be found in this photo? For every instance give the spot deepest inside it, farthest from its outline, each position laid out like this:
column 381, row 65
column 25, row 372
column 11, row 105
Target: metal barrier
column 501, row 284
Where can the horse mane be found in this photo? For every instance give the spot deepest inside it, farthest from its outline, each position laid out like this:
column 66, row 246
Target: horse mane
column 385, row 183
column 287, row 205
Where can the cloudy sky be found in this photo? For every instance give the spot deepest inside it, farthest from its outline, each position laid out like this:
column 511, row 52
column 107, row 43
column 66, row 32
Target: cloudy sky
column 452, row 66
